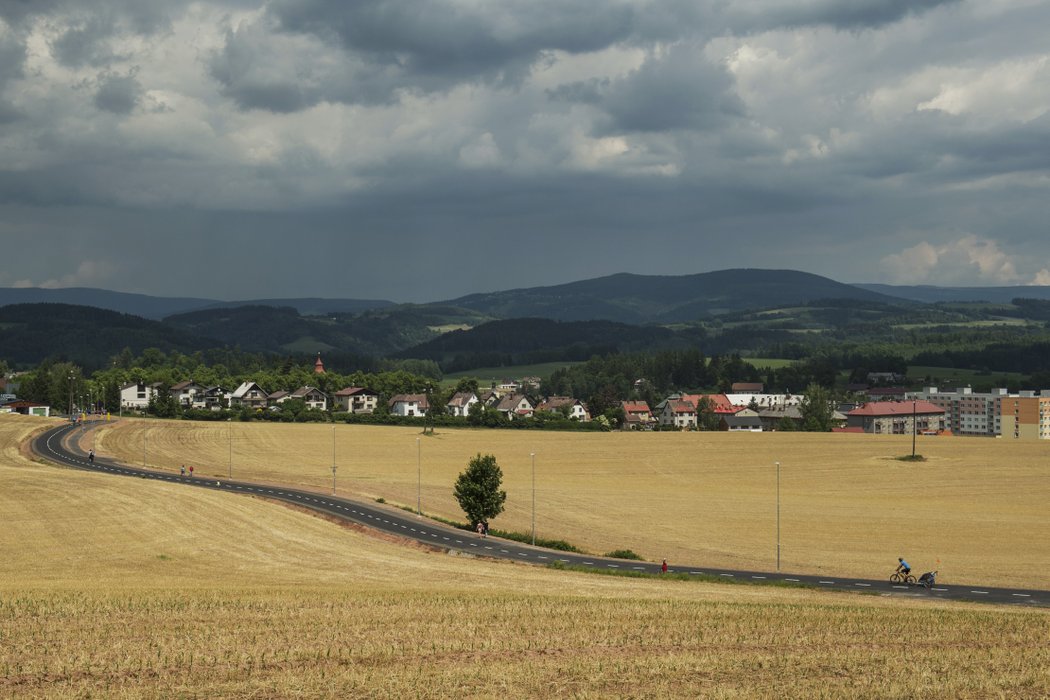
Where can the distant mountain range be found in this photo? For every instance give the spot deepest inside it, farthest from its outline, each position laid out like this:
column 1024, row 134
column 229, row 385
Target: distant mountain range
column 624, row 297
column 748, row 309
column 157, row 308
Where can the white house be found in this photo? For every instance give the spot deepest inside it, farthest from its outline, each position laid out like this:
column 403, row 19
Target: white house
column 356, row 399
column 314, row 398
column 248, row 394
column 460, row 403
column 516, row 406
column 136, row 396
column 678, row 413
column 576, row 409
column 412, row 405
column 188, row 394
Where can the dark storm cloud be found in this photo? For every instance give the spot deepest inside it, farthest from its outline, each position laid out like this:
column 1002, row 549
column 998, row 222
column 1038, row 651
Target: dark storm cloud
column 118, row 94
column 842, row 14
column 456, row 39
column 678, row 90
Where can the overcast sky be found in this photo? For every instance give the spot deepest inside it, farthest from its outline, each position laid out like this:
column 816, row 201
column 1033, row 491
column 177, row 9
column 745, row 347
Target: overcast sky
column 419, row 150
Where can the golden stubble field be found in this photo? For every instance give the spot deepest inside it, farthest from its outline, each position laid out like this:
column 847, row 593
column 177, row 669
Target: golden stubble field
column 978, row 510
column 113, row 587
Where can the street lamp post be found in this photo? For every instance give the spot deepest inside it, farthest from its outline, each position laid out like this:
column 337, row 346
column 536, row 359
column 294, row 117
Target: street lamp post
column 778, row 516
column 419, row 476
column 533, row 456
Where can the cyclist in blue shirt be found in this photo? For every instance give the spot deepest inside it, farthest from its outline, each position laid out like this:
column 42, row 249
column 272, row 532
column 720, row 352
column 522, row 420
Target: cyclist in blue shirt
column 903, row 567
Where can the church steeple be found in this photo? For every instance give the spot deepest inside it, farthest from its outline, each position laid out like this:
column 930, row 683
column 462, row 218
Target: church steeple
column 318, row 366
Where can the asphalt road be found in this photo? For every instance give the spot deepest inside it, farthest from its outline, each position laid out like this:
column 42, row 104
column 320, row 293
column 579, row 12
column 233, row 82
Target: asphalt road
column 54, row 446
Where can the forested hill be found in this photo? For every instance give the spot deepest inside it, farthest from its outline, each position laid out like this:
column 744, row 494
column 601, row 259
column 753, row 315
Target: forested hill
column 84, row 335
column 530, row 340
column 629, row 298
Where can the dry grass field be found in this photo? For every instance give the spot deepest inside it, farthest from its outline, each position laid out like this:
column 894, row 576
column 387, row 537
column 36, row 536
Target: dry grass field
column 978, row 509
column 130, row 588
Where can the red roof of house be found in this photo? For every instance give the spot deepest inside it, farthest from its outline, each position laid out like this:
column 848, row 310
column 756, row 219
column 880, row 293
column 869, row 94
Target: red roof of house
column 720, row 403
column 895, row 408
column 635, row 407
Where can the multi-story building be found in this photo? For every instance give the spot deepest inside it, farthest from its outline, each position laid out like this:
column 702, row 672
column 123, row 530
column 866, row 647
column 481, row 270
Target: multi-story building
column 965, row 412
column 1024, row 416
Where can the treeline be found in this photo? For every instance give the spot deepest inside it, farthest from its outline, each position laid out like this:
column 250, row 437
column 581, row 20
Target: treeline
column 57, row 383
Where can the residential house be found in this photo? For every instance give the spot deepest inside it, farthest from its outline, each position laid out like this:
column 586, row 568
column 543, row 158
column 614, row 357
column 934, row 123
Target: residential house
column 248, row 394
column 213, row 398
column 489, row 398
column 460, row 403
column 678, row 412
column 412, row 405
column 741, row 423
column 763, row 400
column 576, row 409
column 356, row 399
column 637, row 415
column 772, row 416
column 278, row 397
column 897, row 417
column 313, row 397
column 516, row 406
column 136, row 395
column 186, row 393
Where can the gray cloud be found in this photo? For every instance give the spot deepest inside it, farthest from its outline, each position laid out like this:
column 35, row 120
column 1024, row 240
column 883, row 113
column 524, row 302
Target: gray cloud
column 118, row 94
column 678, row 90
column 656, row 136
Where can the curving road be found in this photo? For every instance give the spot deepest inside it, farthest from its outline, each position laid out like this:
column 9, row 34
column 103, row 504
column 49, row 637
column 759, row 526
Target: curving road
column 54, row 446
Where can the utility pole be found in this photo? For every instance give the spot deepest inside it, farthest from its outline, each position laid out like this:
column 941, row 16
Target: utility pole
column 229, row 473
column 333, row 459
column 419, row 476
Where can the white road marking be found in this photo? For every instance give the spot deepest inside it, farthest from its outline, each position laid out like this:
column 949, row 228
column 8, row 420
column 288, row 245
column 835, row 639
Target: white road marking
column 980, row 592
column 758, row 577
column 1022, row 595
column 826, row 582
column 792, row 579
column 729, row 575
column 867, row 585
column 940, row 589
column 902, row 587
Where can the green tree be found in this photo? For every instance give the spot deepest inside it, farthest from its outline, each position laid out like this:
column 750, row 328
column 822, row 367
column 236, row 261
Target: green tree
column 478, row 489
column 816, row 409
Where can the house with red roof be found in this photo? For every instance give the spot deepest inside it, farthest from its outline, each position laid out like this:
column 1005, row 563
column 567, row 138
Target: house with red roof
column 637, row 415
column 896, row 417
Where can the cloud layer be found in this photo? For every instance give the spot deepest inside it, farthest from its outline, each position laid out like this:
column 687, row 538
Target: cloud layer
column 387, row 148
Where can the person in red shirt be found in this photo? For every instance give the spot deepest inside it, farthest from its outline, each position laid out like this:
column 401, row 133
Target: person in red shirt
column 663, row 567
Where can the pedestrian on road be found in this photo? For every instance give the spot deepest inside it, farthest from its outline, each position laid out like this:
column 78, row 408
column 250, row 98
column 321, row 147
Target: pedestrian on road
column 191, row 471
column 663, row 567
column 481, row 529
column 182, row 470
column 486, row 524
column 91, row 456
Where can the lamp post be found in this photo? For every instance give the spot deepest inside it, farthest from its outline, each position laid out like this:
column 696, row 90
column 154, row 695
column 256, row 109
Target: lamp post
column 533, row 456
column 419, row 476
column 778, row 516
column 333, row 459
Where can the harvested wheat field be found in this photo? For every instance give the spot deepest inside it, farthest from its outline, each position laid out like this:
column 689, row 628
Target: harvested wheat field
column 977, row 509
column 114, row 587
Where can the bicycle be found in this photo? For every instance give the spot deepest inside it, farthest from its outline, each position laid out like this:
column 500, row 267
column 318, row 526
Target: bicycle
column 901, row 577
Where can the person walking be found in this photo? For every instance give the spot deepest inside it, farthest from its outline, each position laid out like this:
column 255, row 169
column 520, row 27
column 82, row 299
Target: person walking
column 663, row 567
column 182, row 470
column 91, row 456
column 191, row 471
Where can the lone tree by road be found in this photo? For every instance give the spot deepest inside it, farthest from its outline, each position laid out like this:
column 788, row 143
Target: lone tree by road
column 478, row 489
